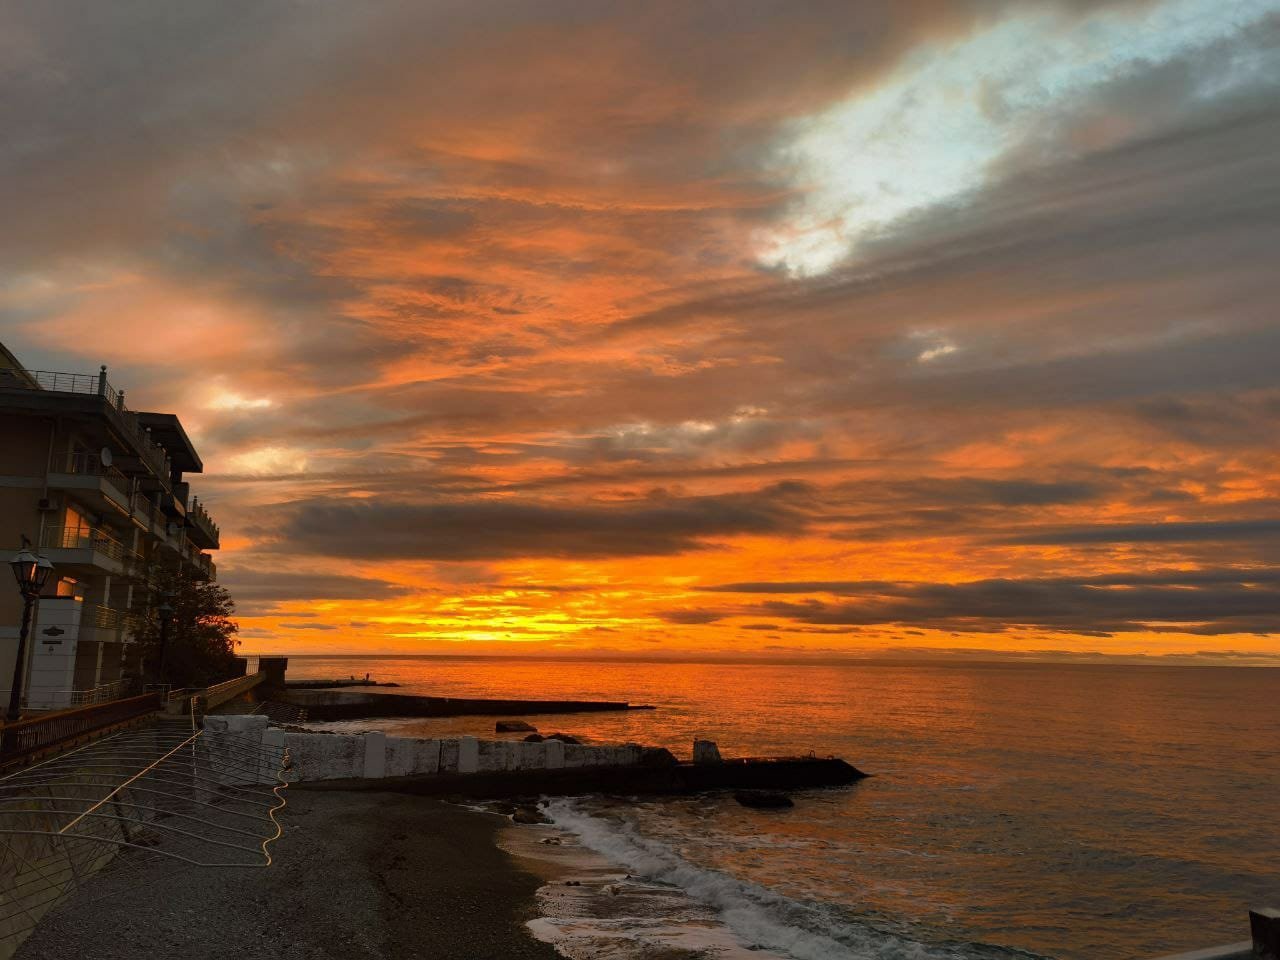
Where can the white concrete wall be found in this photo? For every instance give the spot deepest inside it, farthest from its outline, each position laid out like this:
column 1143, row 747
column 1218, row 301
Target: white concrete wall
column 373, row 755
column 53, row 642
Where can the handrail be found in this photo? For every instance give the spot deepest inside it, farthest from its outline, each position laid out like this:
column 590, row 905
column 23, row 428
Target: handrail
column 19, row 741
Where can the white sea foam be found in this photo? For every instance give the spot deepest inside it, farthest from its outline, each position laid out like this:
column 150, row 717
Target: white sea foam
column 759, row 917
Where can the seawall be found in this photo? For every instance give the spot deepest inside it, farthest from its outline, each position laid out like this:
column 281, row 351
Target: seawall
column 468, row 766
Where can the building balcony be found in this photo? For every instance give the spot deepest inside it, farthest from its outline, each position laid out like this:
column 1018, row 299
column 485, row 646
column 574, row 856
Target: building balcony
column 202, row 565
column 200, row 526
column 104, row 624
column 146, row 516
column 101, row 485
column 90, row 395
column 88, row 550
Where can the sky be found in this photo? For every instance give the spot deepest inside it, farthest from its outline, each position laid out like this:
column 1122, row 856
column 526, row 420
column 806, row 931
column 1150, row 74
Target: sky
column 681, row 329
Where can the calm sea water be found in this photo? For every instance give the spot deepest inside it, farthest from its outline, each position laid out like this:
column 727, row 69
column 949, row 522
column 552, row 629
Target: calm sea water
column 1067, row 811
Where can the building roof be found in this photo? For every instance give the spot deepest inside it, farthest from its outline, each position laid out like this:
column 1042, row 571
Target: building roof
column 167, row 430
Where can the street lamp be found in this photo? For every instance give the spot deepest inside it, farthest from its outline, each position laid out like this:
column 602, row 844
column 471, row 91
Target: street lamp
column 165, row 611
column 32, row 573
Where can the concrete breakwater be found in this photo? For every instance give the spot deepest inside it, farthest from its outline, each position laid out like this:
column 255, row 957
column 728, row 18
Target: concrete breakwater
column 373, row 755
column 351, row 705
column 469, row 766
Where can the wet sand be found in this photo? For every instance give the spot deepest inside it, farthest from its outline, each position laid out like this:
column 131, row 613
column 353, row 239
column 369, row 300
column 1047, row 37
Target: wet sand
column 356, row 876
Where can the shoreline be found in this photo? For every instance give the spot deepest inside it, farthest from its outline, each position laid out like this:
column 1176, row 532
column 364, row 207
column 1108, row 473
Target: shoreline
column 357, row 876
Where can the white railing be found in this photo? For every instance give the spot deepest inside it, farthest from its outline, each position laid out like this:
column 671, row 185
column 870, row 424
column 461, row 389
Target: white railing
column 99, row 694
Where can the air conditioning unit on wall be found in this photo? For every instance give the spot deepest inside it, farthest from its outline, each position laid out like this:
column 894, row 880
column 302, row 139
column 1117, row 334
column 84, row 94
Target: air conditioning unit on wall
column 49, row 504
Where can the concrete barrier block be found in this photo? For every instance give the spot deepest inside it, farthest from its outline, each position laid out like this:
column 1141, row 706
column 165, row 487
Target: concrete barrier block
column 449, row 756
column 530, row 756
column 489, row 756
column 468, row 755
column 319, row 756
column 555, row 754
column 375, row 755
column 427, row 757
column 408, row 757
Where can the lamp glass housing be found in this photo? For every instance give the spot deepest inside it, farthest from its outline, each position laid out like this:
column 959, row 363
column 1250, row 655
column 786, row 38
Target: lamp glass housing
column 31, row 572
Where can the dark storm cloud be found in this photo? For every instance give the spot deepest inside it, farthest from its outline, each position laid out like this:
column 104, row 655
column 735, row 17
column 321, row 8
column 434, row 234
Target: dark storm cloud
column 498, row 529
column 1198, row 602
column 1220, row 531
column 259, row 592
column 251, row 584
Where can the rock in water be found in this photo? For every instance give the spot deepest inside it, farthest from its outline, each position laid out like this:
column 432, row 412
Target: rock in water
column 562, row 737
column 514, row 726
column 705, row 751
column 534, row 738
column 763, row 799
column 529, row 815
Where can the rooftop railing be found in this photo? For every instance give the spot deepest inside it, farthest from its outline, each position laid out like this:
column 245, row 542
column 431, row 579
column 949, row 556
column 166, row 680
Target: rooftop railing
column 91, row 383
column 96, row 384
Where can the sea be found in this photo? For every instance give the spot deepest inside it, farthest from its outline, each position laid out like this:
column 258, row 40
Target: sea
column 1084, row 812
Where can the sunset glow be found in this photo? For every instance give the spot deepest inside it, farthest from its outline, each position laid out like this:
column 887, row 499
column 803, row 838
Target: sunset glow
column 791, row 330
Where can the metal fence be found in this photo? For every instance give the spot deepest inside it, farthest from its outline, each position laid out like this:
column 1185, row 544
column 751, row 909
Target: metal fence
column 20, row 741
column 60, row 382
column 132, row 810
column 88, row 538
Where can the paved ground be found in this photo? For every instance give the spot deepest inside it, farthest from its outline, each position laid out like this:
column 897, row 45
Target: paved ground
column 357, row 876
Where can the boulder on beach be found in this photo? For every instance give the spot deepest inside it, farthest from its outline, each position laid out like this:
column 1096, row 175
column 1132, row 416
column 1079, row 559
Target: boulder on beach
column 513, row 726
column 763, row 799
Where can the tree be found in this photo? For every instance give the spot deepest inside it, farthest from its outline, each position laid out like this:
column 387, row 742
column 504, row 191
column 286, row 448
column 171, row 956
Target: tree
column 200, row 644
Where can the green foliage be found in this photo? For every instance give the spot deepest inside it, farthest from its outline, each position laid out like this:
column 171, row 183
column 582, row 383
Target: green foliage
column 200, row 644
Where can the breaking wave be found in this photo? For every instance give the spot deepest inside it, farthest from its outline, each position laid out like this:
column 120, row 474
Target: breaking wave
column 760, row 917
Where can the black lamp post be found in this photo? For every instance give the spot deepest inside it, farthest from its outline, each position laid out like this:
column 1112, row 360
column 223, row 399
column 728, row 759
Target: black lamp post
column 165, row 611
column 32, row 573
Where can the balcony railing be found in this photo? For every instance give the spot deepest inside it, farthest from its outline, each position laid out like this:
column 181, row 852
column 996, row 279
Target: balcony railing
column 146, row 512
column 96, row 384
column 90, row 464
column 109, row 618
column 88, row 538
column 198, row 516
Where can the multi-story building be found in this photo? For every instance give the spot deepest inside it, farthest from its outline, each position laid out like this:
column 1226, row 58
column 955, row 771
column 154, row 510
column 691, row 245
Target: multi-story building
column 99, row 490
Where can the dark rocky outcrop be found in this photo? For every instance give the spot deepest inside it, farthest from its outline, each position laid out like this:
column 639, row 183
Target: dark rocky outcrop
column 514, row 726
